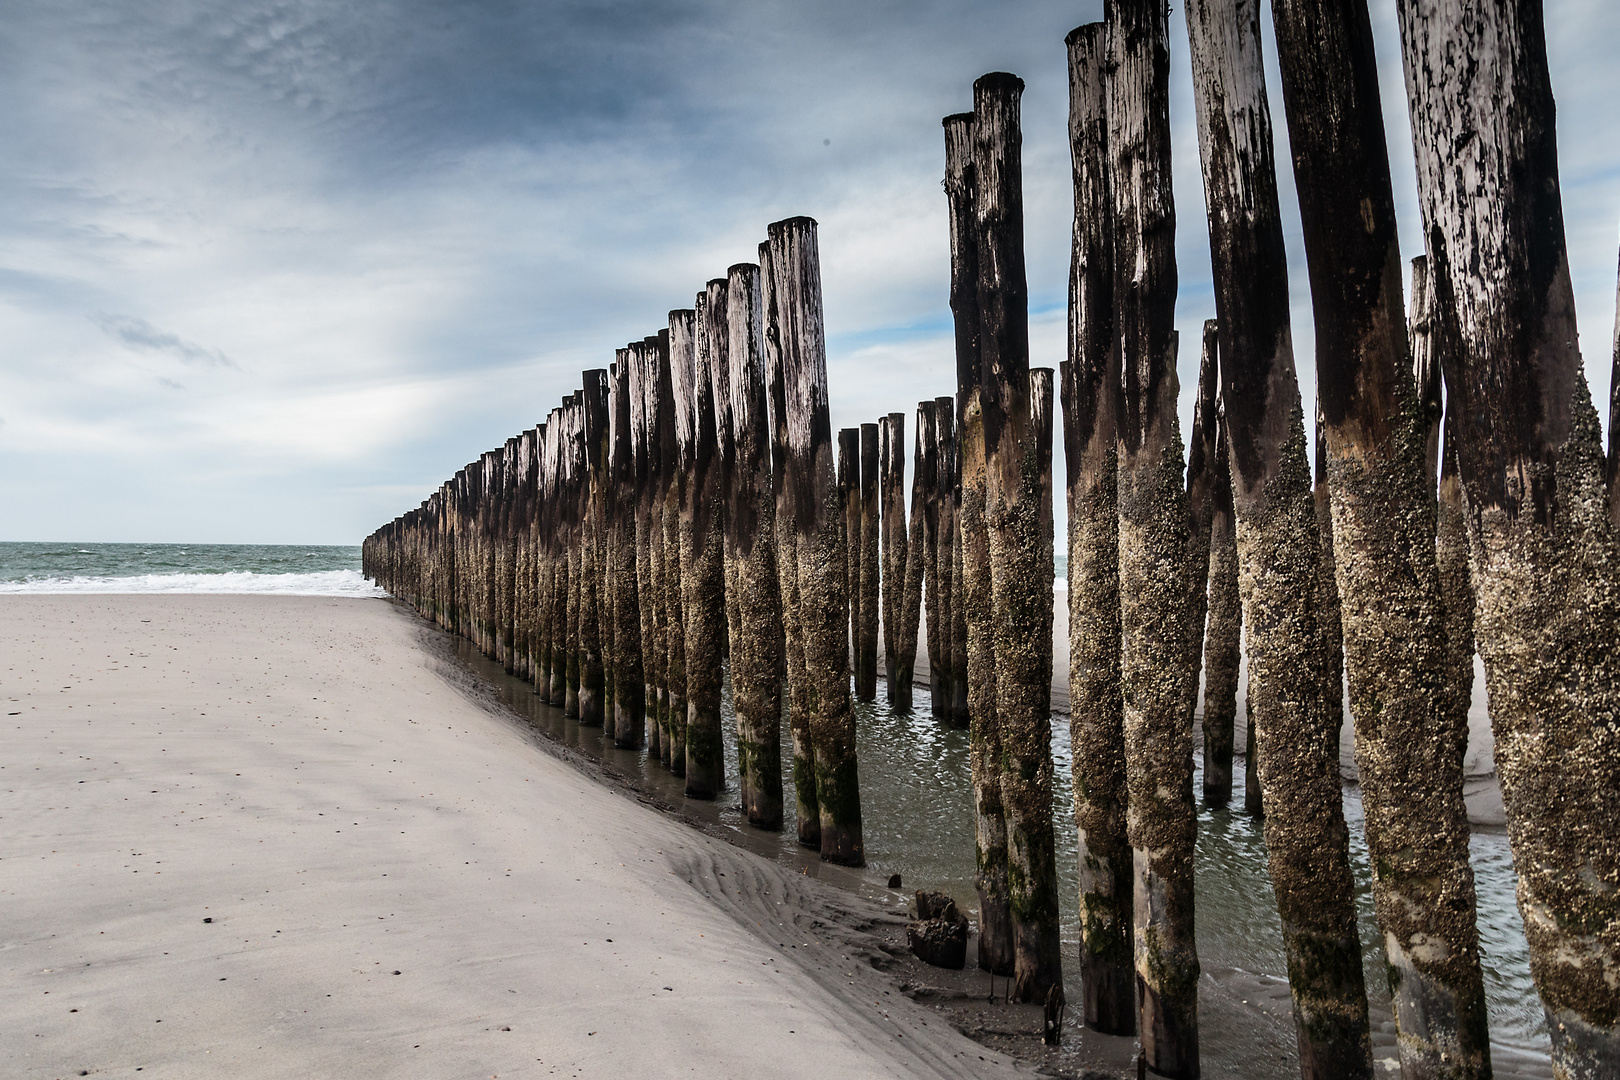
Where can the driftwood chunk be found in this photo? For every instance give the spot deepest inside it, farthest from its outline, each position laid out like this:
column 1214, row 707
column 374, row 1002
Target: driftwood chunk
column 939, row 936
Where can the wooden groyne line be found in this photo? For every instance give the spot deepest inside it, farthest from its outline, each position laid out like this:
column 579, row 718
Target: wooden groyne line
column 692, row 503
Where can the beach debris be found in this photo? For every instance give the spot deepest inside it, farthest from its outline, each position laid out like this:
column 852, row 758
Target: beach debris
column 938, row 936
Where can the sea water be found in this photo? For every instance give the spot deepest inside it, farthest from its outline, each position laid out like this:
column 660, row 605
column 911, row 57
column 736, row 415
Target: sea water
column 917, row 818
column 290, row 569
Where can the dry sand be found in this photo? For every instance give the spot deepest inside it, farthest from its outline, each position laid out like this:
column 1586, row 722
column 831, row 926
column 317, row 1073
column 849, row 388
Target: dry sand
column 399, row 882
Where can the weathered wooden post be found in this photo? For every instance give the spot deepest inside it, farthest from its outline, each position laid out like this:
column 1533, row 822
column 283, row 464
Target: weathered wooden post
column 908, row 603
column 574, row 475
column 925, row 482
column 1433, row 345
column 824, row 607
column 1096, row 720
column 1223, row 634
column 756, row 634
column 677, row 449
column 865, row 558
column 787, row 561
column 1155, row 594
column 1409, row 752
column 849, row 498
column 1531, row 463
column 645, row 364
column 1014, row 414
column 1613, row 470
column 703, row 518
column 896, row 549
column 1201, row 452
column 950, row 576
column 974, row 594
column 594, row 432
column 624, row 550
column 1292, row 754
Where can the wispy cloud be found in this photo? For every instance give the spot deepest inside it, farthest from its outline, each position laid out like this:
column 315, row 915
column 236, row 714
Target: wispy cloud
column 142, row 335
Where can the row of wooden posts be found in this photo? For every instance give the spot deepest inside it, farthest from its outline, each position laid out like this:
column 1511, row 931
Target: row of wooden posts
column 687, row 501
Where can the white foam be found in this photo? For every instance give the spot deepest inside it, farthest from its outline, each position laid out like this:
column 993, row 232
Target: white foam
column 323, row 583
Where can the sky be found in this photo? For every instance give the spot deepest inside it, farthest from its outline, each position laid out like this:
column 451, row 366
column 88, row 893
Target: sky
column 271, row 270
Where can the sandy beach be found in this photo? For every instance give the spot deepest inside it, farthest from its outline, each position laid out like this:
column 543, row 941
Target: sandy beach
column 366, row 873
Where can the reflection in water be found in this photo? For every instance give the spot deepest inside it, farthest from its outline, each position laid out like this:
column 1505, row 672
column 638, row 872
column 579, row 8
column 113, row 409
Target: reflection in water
column 917, row 810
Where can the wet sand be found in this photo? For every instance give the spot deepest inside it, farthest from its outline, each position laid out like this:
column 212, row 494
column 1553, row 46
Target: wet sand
column 266, row 836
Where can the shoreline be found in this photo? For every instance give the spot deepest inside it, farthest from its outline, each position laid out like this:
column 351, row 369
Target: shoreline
column 296, row 771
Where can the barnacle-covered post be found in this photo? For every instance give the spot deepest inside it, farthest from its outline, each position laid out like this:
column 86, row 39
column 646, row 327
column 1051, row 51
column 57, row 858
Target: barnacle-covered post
column 822, row 565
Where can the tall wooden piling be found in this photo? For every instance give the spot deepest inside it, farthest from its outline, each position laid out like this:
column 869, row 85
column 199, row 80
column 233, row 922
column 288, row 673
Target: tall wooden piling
column 1433, row 332
column 703, row 554
column 1408, row 751
column 974, row 593
column 1091, row 455
column 810, row 478
column 594, row 435
column 1201, row 451
column 1015, row 420
column 1223, row 633
column 645, row 365
column 1531, row 463
column 557, row 557
column 1292, row 754
column 869, row 571
column 909, row 604
column 1612, row 471
column 678, row 439
column 624, row 557
column 849, row 498
column 807, row 812
column 926, row 479
column 750, row 527
column 1155, row 594
column 950, row 577
column 895, row 549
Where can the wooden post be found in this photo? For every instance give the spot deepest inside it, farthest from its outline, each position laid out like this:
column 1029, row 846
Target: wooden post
column 974, row 594
column 1530, row 460
column 1015, row 414
column 868, row 571
column 946, row 411
column 909, row 559
column 1201, row 451
column 1613, row 470
column 1155, row 594
column 557, row 557
column 849, row 498
column 594, row 433
column 756, row 629
column 677, row 458
column 1096, row 708
column 1383, row 527
column 892, row 500
column 624, row 554
column 1223, row 634
column 646, row 362
column 573, row 472
column 1292, row 751
column 824, row 605
column 808, row 813
column 703, row 516
column 1433, row 350
column 925, row 482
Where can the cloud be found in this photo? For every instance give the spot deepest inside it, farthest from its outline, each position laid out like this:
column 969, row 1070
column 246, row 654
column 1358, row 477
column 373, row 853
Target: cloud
column 416, row 221
column 142, row 335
